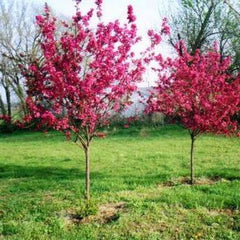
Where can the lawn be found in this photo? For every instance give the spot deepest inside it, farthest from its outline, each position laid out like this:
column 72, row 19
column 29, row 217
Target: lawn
column 143, row 170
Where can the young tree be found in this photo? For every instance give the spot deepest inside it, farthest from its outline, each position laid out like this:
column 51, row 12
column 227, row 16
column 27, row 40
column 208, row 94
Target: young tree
column 85, row 74
column 198, row 91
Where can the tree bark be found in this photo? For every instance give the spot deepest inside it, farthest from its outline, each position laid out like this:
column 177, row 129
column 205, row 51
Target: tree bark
column 200, row 37
column 18, row 90
column 22, row 100
column 192, row 159
column 2, row 107
column 9, row 105
column 87, row 172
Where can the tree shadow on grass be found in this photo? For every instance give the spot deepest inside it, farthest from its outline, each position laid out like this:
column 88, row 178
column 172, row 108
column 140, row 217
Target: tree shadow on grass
column 39, row 176
column 18, row 171
column 32, row 136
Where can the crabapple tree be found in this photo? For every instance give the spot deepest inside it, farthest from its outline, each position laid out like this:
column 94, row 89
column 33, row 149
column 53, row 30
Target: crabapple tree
column 198, row 91
column 84, row 75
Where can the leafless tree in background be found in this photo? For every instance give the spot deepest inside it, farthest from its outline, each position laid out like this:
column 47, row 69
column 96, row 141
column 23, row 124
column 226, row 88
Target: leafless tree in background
column 18, row 43
column 201, row 22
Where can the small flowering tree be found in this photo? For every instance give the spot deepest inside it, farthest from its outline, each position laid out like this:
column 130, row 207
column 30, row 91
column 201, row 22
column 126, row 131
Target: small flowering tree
column 84, row 75
column 198, row 91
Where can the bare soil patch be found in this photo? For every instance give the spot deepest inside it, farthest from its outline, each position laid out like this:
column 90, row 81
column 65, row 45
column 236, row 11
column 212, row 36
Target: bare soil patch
column 107, row 213
column 197, row 181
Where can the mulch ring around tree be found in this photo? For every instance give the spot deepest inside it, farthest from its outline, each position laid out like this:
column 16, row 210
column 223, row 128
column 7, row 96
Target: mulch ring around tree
column 107, row 213
column 197, row 181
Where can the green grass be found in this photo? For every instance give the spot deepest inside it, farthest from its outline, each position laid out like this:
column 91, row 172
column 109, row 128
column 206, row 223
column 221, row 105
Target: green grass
column 42, row 179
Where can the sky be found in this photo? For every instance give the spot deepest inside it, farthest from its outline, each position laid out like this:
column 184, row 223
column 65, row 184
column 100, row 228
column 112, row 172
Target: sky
column 149, row 12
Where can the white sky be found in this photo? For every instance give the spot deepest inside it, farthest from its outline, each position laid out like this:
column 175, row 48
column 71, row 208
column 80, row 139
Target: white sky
column 148, row 12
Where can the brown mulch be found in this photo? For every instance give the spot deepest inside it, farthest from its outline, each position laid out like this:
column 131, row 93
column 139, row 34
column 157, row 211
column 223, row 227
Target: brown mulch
column 197, row 181
column 106, row 213
column 226, row 211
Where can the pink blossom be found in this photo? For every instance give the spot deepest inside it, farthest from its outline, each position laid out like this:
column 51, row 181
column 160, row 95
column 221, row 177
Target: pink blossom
column 84, row 77
column 131, row 17
column 198, row 91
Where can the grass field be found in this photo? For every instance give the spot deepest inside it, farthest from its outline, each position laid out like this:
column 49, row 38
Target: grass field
column 142, row 169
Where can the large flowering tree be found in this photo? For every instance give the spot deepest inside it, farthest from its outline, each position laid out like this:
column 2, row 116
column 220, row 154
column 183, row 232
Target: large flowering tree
column 197, row 91
column 84, row 76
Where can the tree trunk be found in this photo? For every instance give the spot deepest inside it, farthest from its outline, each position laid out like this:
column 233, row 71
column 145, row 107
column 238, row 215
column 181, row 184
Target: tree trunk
column 87, row 177
column 18, row 90
column 24, row 106
column 8, row 99
column 191, row 160
column 200, row 37
column 2, row 107
column 21, row 97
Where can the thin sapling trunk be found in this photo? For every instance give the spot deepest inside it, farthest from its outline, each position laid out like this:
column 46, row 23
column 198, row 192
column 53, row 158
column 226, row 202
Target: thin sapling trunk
column 87, row 176
column 192, row 159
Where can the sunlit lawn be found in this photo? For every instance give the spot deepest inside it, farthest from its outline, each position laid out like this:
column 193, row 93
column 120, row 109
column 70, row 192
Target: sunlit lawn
column 42, row 180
